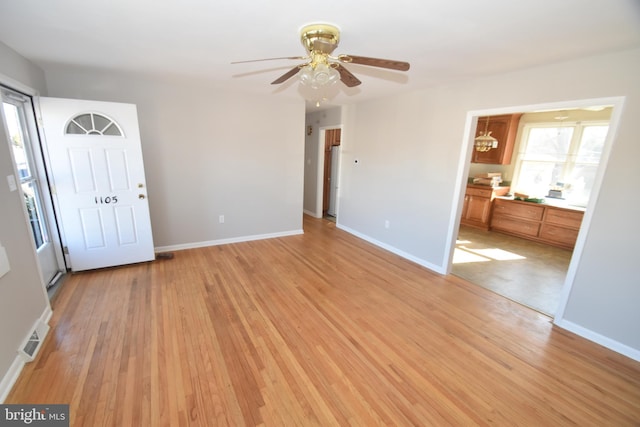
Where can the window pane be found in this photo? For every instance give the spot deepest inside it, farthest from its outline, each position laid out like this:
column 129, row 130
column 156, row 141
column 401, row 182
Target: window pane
column 85, row 121
column 548, row 144
column 100, row 122
column 17, row 140
column 591, row 144
column 34, row 212
column 581, row 180
column 74, row 129
column 536, row 177
column 112, row 129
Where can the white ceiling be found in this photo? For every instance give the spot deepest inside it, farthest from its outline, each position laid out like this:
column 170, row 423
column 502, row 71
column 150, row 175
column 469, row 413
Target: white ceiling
column 443, row 40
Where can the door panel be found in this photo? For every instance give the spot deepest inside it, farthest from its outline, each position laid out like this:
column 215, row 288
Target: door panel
column 98, row 171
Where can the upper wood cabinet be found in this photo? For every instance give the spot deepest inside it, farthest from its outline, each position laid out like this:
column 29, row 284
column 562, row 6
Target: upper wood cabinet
column 504, row 129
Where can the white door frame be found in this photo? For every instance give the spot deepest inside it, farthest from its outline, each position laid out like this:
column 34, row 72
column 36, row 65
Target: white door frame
column 320, row 169
column 463, row 171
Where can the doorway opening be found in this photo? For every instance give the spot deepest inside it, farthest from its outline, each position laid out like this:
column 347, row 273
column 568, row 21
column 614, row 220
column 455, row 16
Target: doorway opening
column 532, row 260
column 331, row 147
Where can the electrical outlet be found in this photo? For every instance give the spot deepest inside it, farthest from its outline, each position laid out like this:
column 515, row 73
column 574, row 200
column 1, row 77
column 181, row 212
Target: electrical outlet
column 387, row 224
column 221, row 219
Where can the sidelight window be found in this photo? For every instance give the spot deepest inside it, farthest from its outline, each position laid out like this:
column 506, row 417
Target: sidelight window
column 23, row 157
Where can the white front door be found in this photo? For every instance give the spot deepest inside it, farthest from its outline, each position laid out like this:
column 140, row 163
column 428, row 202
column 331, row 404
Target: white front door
column 97, row 170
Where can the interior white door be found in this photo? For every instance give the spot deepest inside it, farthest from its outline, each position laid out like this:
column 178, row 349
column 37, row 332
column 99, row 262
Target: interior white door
column 97, row 170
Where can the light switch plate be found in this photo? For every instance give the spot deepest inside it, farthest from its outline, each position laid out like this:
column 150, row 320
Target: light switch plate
column 11, row 180
column 4, row 262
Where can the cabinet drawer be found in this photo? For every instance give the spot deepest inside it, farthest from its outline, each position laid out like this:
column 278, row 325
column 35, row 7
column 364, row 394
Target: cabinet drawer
column 562, row 235
column 527, row 228
column 564, row 217
column 479, row 192
column 524, row 211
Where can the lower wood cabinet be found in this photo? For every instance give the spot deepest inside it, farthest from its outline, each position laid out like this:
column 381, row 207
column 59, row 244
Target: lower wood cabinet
column 515, row 226
column 476, row 211
column 546, row 224
column 561, row 226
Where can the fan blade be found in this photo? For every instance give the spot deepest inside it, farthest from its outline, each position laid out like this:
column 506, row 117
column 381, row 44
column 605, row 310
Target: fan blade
column 375, row 62
column 286, row 76
column 271, row 59
column 346, row 77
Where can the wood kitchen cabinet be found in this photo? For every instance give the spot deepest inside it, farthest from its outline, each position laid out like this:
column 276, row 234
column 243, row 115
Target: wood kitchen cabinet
column 561, row 226
column 476, row 210
column 545, row 224
column 503, row 128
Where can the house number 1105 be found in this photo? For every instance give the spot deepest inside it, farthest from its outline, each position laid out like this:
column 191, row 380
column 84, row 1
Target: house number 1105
column 106, row 200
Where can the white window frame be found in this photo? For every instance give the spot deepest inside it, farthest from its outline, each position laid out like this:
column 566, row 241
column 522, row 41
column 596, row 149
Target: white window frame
column 574, row 145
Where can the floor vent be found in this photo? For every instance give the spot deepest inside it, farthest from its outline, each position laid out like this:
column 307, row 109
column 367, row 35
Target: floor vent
column 31, row 347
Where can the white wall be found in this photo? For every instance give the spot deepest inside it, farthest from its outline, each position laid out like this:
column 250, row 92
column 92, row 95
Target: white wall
column 207, row 153
column 318, row 120
column 22, row 297
column 409, row 149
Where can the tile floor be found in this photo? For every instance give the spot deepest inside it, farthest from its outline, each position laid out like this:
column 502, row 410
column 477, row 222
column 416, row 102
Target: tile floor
column 527, row 272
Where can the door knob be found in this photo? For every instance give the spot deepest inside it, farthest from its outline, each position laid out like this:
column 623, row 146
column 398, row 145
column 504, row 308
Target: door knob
column 140, row 196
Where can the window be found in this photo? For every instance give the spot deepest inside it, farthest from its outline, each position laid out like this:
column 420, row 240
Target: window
column 93, row 124
column 19, row 139
column 565, row 155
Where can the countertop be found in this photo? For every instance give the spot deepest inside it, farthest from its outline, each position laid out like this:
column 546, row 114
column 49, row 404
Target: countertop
column 549, row 201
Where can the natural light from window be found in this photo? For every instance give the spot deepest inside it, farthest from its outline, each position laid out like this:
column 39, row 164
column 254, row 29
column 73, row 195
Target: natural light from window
column 563, row 155
column 463, row 254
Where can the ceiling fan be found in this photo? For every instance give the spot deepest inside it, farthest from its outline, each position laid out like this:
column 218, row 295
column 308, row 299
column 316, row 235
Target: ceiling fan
column 321, row 68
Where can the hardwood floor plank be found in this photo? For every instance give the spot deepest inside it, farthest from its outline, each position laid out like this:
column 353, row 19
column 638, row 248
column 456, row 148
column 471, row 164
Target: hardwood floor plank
column 318, row 329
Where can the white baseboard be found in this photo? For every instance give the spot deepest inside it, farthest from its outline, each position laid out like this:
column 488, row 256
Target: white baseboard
column 421, row 262
column 609, row 343
column 310, row 213
column 218, row 242
column 11, row 376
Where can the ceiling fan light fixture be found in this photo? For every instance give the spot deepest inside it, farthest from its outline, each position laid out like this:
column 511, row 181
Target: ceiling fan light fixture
column 323, row 69
column 319, row 75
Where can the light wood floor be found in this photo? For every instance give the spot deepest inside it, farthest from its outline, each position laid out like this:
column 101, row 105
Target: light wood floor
column 318, row 329
column 527, row 272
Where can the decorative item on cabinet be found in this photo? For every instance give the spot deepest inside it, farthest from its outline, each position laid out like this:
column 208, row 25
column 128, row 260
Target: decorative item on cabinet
column 503, row 128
